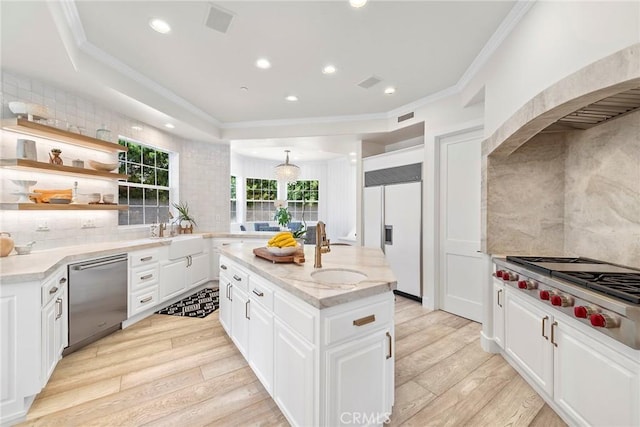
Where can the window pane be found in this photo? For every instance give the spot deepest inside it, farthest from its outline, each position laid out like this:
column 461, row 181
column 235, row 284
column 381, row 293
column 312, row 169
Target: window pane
column 123, row 218
column 163, row 197
column 135, row 215
column 148, row 156
column 122, row 168
column 123, row 193
column 162, row 177
column 134, row 173
column 163, row 214
column 134, row 153
column 150, row 197
column 150, row 215
column 135, row 196
column 149, row 175
column 162, row 159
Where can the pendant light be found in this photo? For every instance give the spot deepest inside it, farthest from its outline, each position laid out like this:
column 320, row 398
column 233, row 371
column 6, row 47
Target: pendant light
column 287, row 172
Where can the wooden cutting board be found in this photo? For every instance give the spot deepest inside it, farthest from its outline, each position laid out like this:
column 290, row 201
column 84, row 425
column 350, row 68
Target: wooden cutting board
column 264, row 253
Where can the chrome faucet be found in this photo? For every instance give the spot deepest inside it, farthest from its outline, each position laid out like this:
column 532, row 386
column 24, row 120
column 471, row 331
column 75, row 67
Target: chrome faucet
column 322, row 244
column 161, row 229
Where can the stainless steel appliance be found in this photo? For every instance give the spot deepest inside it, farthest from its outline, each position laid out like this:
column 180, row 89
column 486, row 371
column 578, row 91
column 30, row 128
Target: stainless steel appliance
column 97, row 299
column 604, row 296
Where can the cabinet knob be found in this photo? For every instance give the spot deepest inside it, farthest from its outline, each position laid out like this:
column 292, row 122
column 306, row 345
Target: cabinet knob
column 222, row 266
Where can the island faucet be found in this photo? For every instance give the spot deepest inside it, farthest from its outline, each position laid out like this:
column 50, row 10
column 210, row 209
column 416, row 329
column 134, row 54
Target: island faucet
column 322, row 244
column 161, row 229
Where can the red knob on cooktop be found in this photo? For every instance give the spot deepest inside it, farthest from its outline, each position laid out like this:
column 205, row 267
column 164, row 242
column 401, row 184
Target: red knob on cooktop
column 602, row 320
column 522, row 284
column 527, row 284
column 580, row 311
column 499, row 273
column 544, row 295
column 556, row 300
column 561, row 301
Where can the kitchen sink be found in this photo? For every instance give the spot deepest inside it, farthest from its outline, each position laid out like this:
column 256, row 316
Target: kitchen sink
column 338, row 276
column 185, row 245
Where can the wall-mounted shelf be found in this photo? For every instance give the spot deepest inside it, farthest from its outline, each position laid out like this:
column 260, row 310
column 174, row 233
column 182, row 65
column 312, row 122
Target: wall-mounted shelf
column 26, row 127
column 56, row 207
column 24, row 164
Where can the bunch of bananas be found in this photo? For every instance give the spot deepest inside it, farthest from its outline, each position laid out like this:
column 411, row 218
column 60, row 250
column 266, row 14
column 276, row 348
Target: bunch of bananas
column 284, row 239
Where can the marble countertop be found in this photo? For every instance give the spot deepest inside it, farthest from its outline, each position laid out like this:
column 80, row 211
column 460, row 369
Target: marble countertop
column 40, row 264
column 297, row 279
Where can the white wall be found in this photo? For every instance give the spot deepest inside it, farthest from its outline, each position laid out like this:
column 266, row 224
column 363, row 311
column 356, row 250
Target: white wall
column 202, row 168
column 553, row 40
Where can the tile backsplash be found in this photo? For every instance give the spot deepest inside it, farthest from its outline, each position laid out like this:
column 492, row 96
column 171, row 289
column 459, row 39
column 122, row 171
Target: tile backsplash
column 203, row 170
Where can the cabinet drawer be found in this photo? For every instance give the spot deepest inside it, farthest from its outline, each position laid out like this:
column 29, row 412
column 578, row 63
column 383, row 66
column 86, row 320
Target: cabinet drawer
column 143, row 277
column 261, row 292
column 142, row 300
column 358, row 321
column 235, row 274
column 144, row 257
column 51, row 286
column 298, row 319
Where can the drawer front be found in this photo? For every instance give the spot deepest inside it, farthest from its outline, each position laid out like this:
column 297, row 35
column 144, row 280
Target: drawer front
column 357, row 321
column 236, row 275
column 143, row 277
column 51, row 286
column 144, row 257
column 261, row 292
column 142, row 300
column 295, row 317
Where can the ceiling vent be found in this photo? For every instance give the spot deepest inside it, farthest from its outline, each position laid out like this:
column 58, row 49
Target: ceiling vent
column 369, row 82
column 219, row 19
column 404, row 117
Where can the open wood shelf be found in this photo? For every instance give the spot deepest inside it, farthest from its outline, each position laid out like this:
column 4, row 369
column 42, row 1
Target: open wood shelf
column 22, row 164
column 26, row 127
column 61, row 207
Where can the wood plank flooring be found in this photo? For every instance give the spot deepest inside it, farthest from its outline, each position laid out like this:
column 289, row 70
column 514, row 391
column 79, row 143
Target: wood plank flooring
column 169, row 370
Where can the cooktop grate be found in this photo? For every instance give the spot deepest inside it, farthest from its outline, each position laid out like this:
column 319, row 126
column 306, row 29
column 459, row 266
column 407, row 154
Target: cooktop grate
column 529, row 261
column 625, row 286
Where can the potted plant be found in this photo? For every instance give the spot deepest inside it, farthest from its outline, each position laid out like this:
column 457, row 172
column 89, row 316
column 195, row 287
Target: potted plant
column 185, row 220
column 282, row 216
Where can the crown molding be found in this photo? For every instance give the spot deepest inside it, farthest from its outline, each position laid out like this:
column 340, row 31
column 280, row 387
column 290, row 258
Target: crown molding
column 304, row 121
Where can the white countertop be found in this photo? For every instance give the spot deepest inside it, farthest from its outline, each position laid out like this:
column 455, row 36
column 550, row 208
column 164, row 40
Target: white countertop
column 297, row 280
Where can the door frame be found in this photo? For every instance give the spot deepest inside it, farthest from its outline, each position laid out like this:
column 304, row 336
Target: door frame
column 432, row 288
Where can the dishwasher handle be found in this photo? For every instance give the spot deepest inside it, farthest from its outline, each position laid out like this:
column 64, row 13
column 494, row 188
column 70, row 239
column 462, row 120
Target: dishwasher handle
column 99, row 263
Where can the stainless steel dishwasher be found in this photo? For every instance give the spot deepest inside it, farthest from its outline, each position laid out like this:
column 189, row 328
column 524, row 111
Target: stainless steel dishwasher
column 97, row 299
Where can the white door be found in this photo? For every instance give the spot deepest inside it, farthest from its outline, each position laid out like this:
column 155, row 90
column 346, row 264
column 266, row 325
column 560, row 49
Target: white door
column 402, row 234
column 261, row 344
column 460, row 261
column 498, row 313
column 172, row 279
column 240, row 319
column 372, row 209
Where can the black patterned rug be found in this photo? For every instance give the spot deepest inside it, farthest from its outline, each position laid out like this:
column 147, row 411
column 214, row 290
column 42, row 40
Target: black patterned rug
column 200, row 304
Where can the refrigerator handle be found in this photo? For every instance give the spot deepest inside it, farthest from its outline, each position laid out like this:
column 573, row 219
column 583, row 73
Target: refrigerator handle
column 382, row 219
column 388, row 234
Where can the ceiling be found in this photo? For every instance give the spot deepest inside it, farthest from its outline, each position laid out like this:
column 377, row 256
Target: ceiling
column 193, row 75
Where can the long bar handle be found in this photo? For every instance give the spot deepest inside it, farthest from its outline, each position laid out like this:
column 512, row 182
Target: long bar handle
column 147, row 299
column 365, row 320
column 498, row 297
column 98, row 264
column 553, row 334
column 58, row 308
column 246, row 309
column 544, row 319
column 390, row 345
column 146, row 276
column 259, row 293
column 147, row 258
column 230, row 294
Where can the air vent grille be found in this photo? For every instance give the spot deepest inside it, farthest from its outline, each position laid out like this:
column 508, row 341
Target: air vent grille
column 599, row 112
column 369, row 82
column 404, row 117
column 219, row 19
column 395, row 175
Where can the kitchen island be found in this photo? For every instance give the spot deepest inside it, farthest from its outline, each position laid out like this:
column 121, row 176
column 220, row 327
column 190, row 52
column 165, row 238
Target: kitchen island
column 323, row 351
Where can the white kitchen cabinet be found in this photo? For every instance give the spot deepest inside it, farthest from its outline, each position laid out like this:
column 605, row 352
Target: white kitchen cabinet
column 54, row 320
column 593, row 384
column 173, row 279
column 498, row 312
column 294, row 379
column 225, row 303
column 198, row 271
column 261, row 343
column 527, row 329
column 240, row 319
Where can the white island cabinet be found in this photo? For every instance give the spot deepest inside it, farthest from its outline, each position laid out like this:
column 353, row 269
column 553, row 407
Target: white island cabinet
column 325, row 353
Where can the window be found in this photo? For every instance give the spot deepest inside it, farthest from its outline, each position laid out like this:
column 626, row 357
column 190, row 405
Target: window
column 303, row 197
column 146, row 190
column 234, row 210
column 260, row 196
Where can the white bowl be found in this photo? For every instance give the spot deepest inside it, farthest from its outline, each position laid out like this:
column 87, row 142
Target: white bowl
column 23, row 183
column 105, row 167
column 23, row 249
column 290, row 250
column 23, row 108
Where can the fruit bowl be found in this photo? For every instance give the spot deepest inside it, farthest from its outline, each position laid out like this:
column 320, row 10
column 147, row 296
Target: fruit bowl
column 105, row 167
column 287, row 250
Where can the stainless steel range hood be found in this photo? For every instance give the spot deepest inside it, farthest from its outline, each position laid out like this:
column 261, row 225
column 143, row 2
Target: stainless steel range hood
column 599, row 112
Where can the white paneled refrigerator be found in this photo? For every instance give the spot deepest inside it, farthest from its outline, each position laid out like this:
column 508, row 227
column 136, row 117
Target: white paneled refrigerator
column 393, row 222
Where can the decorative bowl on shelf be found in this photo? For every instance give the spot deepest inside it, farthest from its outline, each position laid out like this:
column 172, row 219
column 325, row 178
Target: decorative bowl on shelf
column 289, row 250
column 36, row 111
column 105, row 167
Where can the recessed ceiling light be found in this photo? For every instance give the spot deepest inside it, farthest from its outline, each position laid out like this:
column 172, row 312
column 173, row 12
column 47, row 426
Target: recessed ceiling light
column 390, row 90
column 263, row 63
column 329, row 69
column 160, row 26
column 357, row 3
column 353, row 153
column 136, row 127
column 169, row 125
column 291, row 98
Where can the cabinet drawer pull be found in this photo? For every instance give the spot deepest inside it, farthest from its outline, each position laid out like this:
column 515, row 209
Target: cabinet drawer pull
column 222, row 266
column 58, row 308
column 499, row 292
column 544, row 319
column 146, row 276
column 364, row 320
column 239, row 279
column 147, row 299
column 246, row 309
column 390, row 346
column 53, row 290
column 259, row 293
column 147, row 258
column 230, row 292
column 553, row 333
column 62, row 281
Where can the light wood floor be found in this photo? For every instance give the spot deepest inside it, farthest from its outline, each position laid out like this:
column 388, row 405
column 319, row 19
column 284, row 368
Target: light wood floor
column 168, row 371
